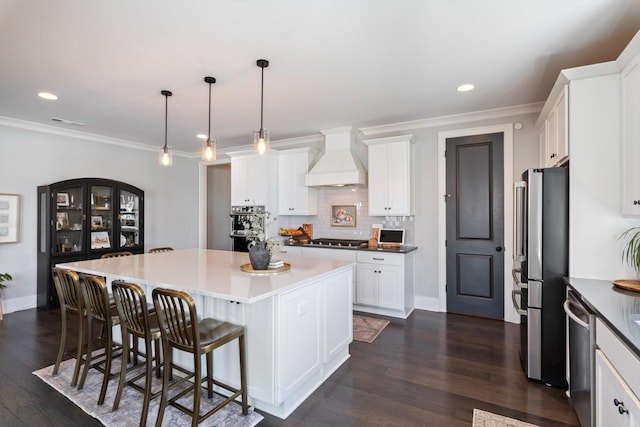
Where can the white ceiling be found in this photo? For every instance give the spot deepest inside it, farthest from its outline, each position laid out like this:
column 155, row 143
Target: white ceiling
column 333, row 63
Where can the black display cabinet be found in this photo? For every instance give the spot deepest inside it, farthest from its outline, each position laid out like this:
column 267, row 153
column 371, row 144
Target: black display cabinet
column 80, row 219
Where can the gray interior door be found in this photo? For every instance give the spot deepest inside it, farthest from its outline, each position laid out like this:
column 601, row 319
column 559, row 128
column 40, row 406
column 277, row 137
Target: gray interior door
column 475, row 225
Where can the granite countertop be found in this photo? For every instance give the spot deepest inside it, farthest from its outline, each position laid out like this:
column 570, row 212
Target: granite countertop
column 402, row 249
column 618, row 308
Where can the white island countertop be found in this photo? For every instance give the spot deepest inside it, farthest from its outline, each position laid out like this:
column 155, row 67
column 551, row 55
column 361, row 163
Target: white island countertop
column 207, row 272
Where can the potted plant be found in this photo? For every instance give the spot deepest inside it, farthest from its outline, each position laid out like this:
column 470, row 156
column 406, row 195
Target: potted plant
column 631, row 250
column 4, row 277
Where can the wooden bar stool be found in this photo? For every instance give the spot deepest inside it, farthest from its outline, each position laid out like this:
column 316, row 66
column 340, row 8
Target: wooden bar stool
column 137, row 321
column 116, row 254
column 99, row 309
column 182, row 331
column 156, row 250
column 67, row 286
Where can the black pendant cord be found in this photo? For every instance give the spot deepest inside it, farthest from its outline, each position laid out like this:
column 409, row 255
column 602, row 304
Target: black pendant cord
column 262, row 63
column 166, row 94
column 261, row 103
column 209, row 131
column 166, row 117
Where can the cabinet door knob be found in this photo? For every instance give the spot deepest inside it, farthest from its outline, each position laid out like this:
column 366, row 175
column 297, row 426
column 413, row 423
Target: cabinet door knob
column 498, row 248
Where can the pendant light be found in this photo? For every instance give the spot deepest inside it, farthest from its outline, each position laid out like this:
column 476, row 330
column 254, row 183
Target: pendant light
column 166, row 153
column 261, row 137
column 209, row 148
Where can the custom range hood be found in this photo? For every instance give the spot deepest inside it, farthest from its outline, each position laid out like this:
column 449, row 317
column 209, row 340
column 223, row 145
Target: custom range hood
column 338, row 165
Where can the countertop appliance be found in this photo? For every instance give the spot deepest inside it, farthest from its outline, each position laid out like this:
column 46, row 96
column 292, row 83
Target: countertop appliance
column 542, row 247
column 581, row 322
column 238, row 217
column 347, row 243
column 391, row 236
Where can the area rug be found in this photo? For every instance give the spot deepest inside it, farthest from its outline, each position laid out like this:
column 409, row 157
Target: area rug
column 487, row 419
column 367, row 329
column 128, row 413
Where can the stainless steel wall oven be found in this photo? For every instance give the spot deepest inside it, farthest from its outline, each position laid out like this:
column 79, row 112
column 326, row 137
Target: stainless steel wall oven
column 239, row 218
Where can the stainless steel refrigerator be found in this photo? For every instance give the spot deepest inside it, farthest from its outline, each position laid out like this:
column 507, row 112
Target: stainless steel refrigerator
column 542, row 248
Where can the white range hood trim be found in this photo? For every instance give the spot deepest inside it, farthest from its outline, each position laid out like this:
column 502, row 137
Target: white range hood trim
column 338, row 165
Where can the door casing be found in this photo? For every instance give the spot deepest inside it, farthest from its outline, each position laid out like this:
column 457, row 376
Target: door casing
column 510, row 314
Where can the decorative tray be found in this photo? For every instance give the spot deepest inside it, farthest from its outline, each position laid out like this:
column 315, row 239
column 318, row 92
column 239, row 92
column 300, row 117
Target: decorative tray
column 627, row 284
column 248, row 269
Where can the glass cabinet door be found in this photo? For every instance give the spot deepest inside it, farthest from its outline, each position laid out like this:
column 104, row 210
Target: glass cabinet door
column 129, row 219
column 101, row 217
column 69, row 220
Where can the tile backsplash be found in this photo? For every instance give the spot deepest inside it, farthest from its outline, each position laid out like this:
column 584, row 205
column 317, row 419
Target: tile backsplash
column 350, row 195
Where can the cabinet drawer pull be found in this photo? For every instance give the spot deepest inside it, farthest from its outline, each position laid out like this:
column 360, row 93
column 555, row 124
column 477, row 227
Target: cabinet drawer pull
column 620, row 404
column 378, row 259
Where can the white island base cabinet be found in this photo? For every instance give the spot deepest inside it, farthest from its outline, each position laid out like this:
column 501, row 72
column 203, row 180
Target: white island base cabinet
column 295, row 341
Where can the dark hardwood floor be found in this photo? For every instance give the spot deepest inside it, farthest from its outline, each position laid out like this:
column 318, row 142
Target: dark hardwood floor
column 432, row 369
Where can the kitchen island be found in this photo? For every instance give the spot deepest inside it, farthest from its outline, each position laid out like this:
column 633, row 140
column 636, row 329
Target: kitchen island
column 298, row 322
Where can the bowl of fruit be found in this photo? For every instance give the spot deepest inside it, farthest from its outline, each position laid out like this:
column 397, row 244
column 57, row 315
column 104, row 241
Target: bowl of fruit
column 291, row 233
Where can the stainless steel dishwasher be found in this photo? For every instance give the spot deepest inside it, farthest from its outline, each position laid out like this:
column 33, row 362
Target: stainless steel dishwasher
column 581, row 325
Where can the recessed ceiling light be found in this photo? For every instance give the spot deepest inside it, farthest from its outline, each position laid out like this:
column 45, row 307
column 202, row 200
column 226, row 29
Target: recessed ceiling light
column 47, row 95
column 466, row 87
column 201, row 136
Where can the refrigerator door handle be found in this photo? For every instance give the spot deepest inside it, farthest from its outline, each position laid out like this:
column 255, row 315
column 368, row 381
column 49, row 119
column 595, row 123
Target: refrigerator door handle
column 514, row 294
column 514, row 274
column 519, row 190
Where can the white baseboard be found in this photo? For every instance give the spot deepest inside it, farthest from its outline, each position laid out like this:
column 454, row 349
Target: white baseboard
column 427, row 303
column 18, row 304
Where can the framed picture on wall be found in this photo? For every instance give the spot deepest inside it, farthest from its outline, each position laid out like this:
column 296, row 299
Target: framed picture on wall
column 9, row 217
column 343, row 215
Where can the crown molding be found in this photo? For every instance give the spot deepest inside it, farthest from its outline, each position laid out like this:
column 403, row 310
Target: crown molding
column 53, row 130
column 454, row 119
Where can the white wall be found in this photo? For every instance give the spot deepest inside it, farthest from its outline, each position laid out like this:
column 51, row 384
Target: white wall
column 30, row 158
column 171, row 195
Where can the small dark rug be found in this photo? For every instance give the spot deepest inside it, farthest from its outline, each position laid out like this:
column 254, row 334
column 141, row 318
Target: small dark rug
column 367, row 329
column 128, row 413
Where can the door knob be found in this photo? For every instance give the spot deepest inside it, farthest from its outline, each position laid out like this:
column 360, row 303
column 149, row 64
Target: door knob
column 498, row 248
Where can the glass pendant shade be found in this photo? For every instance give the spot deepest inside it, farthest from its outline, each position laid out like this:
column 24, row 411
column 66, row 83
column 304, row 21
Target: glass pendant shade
column 209, row 150
column 166, row 156
column 261, row 140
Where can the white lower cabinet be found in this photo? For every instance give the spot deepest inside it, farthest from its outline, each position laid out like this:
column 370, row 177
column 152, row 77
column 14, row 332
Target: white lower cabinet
column 379, row 285
column 384, row 283
column 617, row 383
column 616, row 404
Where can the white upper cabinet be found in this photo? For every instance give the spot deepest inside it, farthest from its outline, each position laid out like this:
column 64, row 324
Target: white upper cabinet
column 250, row 178
column 554, row 131
column 390, row 176
column 294, row 197
column 631, row 138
